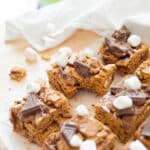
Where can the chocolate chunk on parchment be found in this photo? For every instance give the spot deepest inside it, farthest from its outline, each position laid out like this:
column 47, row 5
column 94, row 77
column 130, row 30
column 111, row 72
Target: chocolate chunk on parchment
column 116, row 49
column 146, row 128
column 82, row 68
column 125, row 112
column 122, row 34
column 68, row 130
column 32, row 105
column 115, row 90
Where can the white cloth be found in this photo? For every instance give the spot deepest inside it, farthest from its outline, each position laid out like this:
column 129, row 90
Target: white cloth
column 100, row 16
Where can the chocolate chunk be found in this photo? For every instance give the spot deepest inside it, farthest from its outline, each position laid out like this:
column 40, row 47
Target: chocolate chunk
column 138, row 100
column 116, row 49
column 125, row 112
column 146, row 128
column 115, row 90
column 122, row 34
column 146, row 88
column 68, row 130
column 31, row 106
column 82, row 68
column 68, row 78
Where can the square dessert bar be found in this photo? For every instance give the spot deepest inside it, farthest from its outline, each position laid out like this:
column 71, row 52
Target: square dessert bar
column 143, row 72
column 124, row 108
column 39, row 114
column 81, row 133
column 143, row 133
column 82, row 73
column 125, row 50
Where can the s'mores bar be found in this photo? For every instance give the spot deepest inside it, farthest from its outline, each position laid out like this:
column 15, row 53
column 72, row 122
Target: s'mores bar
column 80, row 72
column 124, row 49
column 124, row 108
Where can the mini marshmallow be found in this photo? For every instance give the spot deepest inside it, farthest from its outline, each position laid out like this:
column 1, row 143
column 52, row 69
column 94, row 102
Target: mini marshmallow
column 137, row 145
column 30, row 54
column 134, row 40
column 82, row 110
column 76, row 141
column 33, row 87
column 88, row 145
column 66, row 50
column 132, row 83
column 72, row 58
column 122, row 102
column 87, row 52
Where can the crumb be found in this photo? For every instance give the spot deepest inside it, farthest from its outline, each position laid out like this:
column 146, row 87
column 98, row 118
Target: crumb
column 17, row 73
column 45, row 56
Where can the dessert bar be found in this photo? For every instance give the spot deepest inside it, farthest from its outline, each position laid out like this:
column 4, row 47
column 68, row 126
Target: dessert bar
column 81, row 73
column 39, row 114
column 124, row 49
column 124, row 108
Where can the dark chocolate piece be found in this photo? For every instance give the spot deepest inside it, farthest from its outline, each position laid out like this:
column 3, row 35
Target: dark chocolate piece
column 146, row 128
column 138, row 100
column 32, row 105
column 122, row 34
column 116, row 49
column 82, row 68
column 125, row 112
column 115, row 90
column 68, row 130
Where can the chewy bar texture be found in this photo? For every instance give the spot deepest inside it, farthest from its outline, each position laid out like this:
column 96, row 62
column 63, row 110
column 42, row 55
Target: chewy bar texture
column 39, row 114
column 83, row 73
column 143, row 133
column 124, row 108
column 125, row 50
column 143, row 72
column 81, row 133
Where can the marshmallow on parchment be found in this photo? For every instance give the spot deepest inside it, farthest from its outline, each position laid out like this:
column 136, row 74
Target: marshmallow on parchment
column 82, row 110
column 132, row 83
column 122, row 102
column 33, row 87
column 76, row 141
column 137, row 145
column 30, row 54
column 88, row 145
column 134, row 40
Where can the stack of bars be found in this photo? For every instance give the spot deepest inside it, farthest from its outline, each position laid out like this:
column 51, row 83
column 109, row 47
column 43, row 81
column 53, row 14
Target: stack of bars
column 47, row 118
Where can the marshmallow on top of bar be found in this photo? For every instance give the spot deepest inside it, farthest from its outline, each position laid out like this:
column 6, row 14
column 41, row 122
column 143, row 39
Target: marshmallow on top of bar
column 125, row 97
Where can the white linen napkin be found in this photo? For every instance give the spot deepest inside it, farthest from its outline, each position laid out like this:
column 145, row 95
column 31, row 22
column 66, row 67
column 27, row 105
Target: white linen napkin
column 51, row 25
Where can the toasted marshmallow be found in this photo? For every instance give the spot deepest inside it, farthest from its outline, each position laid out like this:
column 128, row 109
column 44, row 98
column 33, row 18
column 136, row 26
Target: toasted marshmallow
column 122, row 102
column 76, row 141
column 134, row 40
column 132, row 83
column 88, row 145
column 137, row 145
column 33, row 87
column 82, row 110
column 30, row 54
